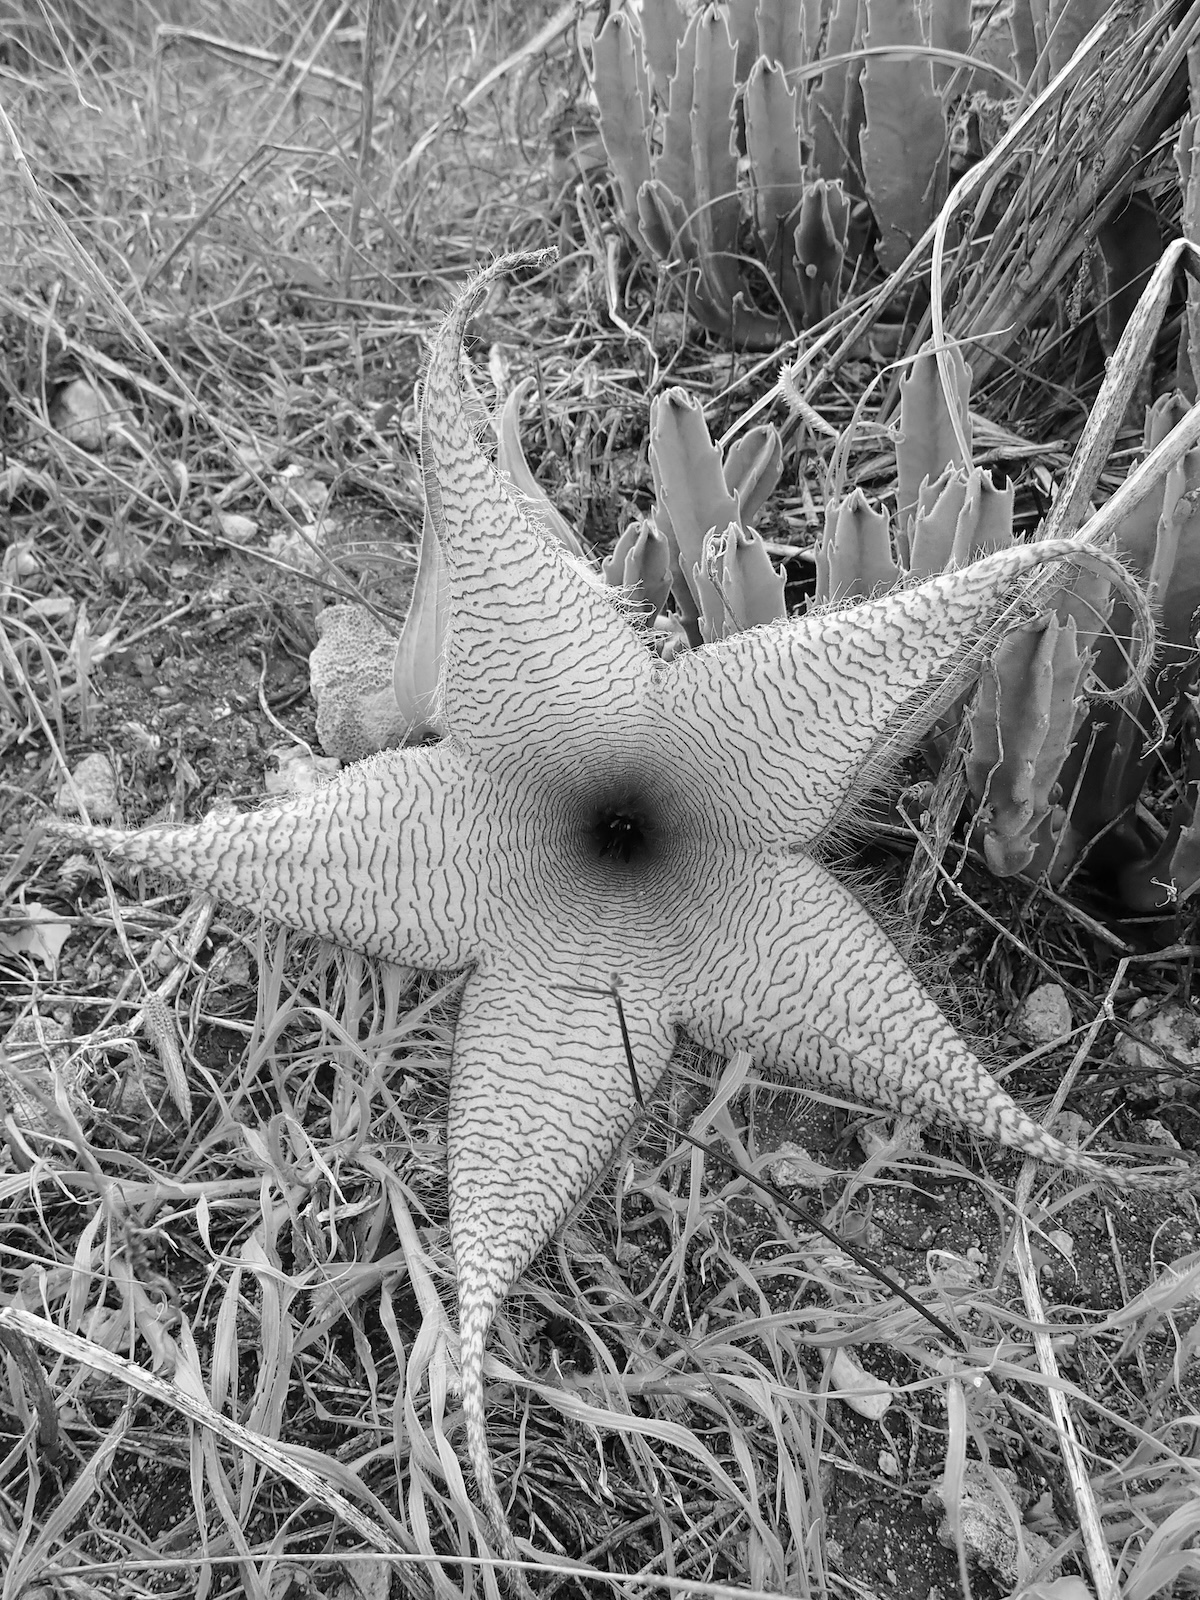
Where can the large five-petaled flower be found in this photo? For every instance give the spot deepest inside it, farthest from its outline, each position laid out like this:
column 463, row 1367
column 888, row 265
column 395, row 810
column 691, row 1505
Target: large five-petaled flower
column 593, row 811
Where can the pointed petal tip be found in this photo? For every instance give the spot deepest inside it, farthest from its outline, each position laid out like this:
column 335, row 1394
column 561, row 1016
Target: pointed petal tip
column 512, row 260
column 482, row 279
column 192, row 852
column 62, row 830
column 441, row 385
column 1015, row 1128
column 541, row 1097
column 476, row 1311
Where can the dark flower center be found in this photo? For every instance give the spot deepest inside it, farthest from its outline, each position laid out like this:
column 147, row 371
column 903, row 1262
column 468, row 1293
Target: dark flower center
column 621, row 830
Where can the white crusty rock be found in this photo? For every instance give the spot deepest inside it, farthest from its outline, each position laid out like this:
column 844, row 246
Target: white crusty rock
column 350, row 672
column 1169, row 1027
column 986, row 1525
column 1044, row 1015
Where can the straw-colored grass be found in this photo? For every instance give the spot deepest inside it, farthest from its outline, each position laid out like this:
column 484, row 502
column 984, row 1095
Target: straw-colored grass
column 226, row 1362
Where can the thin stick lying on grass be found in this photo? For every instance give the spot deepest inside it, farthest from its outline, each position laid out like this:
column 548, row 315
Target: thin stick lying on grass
column 168, row 33
column 764, row 1185
column 546, row 35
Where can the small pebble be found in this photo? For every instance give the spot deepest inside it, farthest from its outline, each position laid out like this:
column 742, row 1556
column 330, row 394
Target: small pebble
column 794, row 1168
column 96, row 783
column 238, row 529
column 1172, row 1027
column 1044, row 1016
column 950, row 1271
column 1062, row 1242
column 1158, row 1133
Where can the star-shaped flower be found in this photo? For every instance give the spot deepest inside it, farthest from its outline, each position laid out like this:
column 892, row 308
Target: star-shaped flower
column 595, row 812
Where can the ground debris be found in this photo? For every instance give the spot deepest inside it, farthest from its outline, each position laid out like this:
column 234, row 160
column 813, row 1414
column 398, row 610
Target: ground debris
column 989, row 1496
column 1044, row 1015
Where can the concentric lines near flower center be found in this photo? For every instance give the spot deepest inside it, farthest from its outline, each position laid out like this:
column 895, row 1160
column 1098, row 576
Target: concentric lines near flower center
column 593, row 811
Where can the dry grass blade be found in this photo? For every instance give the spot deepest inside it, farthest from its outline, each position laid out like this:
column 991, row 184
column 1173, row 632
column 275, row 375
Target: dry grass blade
column 1074, row 165
column 1027, row 213
column 167, row 34
column 1103, row 1576
column 286, row 1460
column 528, row 51
column 28, row 1561
column 1122, row 373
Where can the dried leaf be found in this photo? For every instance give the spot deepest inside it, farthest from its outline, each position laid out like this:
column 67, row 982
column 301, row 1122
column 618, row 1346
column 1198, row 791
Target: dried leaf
column 791, row 1167
column 38, row 933
column 87, row 411
column 869, row 1396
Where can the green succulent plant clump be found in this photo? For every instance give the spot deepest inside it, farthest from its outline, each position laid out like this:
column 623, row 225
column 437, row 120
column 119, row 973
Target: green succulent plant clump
column 1061, row 744
column 754, row 144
